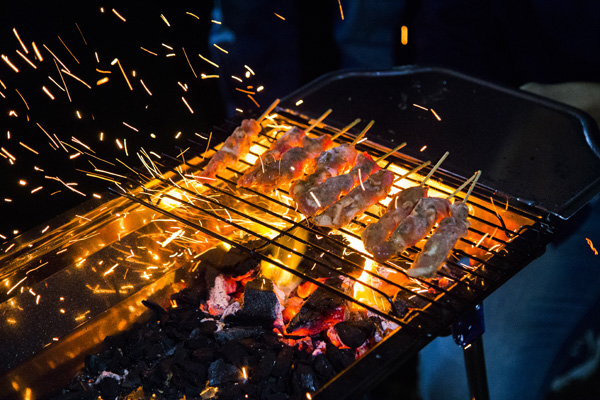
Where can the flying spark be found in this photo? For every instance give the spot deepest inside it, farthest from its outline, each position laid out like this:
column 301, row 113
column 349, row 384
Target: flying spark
column 589, row 242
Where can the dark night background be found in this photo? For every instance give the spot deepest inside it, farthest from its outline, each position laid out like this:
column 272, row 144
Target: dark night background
column 103, row 108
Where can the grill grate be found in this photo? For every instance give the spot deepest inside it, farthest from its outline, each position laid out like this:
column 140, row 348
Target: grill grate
column 480, row 263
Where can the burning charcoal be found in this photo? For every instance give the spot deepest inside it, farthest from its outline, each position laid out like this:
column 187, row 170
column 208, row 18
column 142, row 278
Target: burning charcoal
column 400, row 305
column 234, row 262
column 323, row 367
column 205, row 354
column 261, row 304
column 237, row 333
column 354, row 333
column 94, row 364
column 305, row 379
column 283, row 362
column 322, row 309
column 208, row 327
column 264, row 367
column 109, row 388
column 159, row 312
column 339, row 358
column 219, row 372
column 233, row 353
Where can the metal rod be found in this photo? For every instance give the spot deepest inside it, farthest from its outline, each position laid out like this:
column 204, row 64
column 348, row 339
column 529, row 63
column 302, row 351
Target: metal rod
column 476, row 372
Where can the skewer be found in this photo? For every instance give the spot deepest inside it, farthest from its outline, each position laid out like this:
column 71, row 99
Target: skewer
column 346, row 129
column 412, row 171
column 477, row 175
column 465, row 183
column 435, row 167
column 383, row 157
column 268, row 111
column 362, row 134
column 318, row 121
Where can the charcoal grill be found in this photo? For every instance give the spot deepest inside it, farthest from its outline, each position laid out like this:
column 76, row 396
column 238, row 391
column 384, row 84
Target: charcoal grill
column 81, row 280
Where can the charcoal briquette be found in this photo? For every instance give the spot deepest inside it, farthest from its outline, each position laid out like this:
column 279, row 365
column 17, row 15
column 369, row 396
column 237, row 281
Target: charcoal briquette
column 283, row 362
column 205, row 354
column 234, row 353
column 219, row 372
column 264, row 367
column 339, row 358
column 354, row 333
column 306, row 378
column 323, row 367
column 237, row 333
column 109, row 388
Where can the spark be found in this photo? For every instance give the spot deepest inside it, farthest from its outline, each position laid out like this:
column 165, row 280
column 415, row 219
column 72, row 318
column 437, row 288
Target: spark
column 167, row 46
column 148, row 51
column 45, row 229
column 589, row 242
column 111, row 269
column 8, row 154
column 249, row 69
column 22, row 182
column 102, row 81
column 189, row 63
column 36, row 189
column 63, row 79
column 145, row 87
column 73, row 55
column 244, row 91
column 214, row 21
column 260, row 88
column 56, row 83
column 299, row 102
column 341, row 10
column 361, row 180
column 119, row 144
column 118, row 15
column 45, row 89
column 96, row 195
column 26, row 59
column 236, row 78
column 177, row 136
column 6, row 60
column 239, row 110
column 55, row 58
column 254, row 101
column 316, row 200
column 28, row 148
column 116, row 61
column 279, row 16
column 165, row 19
column 220, row 48
column 436, row 115
column 183, row 86
column 421, row 107
column 130, row 127
column 404, row 35
column 81, row 33
column 101, row 136
column 202, row 57
column 78, row 114
column 37, row 52
column 8, row 201
column 204, row 76
column 3, row 85
column 186, row 103
column 423, row 148
column 22, row 98
column 193, row 15
column 72, row 156
column 125, row 146
column 20, row 41
column 18, row 283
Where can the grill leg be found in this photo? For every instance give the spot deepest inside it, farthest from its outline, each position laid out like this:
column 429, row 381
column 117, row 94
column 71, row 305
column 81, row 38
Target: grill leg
column 467, row 333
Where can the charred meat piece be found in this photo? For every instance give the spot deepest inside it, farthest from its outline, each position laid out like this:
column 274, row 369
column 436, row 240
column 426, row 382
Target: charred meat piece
column 291, row 166
column 237, row 145
column 439, row 245
column 374, row 189
column 332, row 162
column 399, row 208
column 413, row 228
column 327, row 193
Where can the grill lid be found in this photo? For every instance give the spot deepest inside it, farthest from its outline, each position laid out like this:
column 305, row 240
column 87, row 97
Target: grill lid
column 539, row 151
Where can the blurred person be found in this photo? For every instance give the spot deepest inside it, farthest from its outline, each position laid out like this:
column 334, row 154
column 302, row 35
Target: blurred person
column 548, row 48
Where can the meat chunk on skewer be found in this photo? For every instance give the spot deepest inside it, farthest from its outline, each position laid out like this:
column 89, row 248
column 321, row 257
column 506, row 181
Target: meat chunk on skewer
column 398, row 209
column 236, row 145
column 332, row 162
column 413, row 228
column 291, row 166
column 439, row 245
column 374, row 189
column 327, row 193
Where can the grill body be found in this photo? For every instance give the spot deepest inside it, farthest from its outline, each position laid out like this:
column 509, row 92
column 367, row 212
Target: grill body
column 513, row 219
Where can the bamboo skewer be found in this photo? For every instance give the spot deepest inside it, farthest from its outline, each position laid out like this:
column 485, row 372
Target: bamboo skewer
column 319, row 120
column 268, row 111
column 435, row 167
column 346, row 129
column 465, row 183
column 383, row 157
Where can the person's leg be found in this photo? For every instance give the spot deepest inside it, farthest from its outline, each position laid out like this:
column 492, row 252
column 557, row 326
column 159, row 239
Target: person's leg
column 527, row 321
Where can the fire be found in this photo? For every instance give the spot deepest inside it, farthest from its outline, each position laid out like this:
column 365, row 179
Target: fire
column 589, row 242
